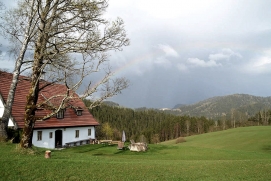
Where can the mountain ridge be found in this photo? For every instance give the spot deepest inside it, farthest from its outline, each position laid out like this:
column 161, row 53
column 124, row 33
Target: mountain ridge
column 227, row 106
column 235, row 106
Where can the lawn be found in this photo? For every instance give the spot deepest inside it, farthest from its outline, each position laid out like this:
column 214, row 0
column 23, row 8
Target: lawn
column 236, row 154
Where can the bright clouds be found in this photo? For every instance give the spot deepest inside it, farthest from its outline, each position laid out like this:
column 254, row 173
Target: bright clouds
column 201, row 63
column 168, row 50
column 162, row 56
column 225, row 54
column 259, row 65
column 263, row 62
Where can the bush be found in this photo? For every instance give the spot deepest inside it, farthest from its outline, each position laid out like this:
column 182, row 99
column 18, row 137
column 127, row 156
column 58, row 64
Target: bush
column 180, row 140
column 14, row 135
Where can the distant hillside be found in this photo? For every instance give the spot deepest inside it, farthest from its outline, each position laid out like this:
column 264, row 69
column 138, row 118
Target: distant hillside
column 110, row 103
column 178, row 106
column 236, row 105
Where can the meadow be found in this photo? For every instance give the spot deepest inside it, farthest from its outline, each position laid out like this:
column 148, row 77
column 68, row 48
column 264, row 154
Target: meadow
column 236, row 154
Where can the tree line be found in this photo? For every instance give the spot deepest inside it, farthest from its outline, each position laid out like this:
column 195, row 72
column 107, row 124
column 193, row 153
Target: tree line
column 157, row 126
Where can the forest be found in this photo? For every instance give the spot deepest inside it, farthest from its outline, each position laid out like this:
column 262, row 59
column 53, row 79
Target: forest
column 155, row 126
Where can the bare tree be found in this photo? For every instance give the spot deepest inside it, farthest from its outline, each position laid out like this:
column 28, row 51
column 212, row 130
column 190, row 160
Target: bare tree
column 233, row 111
column 73, row 27
column 19, row 26
column 188, row 123
column 224, row 122
column 216, row 124
column 261, row 117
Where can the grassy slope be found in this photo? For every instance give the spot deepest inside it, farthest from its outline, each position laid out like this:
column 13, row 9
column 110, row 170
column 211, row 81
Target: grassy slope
column 237, row 154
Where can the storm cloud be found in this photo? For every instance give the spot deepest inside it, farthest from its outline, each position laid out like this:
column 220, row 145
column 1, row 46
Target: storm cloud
column 183, row 52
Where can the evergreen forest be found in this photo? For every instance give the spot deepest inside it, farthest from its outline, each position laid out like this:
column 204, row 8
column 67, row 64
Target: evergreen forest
column 154, row 126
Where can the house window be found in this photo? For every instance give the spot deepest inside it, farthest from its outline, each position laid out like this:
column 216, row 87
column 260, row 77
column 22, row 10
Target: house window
column 76, row 133
column 60, row 114
column 89, row 132
column 39, row 135
column 51, row 135
column 79, row 112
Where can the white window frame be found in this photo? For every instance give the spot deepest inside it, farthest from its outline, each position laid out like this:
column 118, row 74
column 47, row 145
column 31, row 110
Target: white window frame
column 39, row 135
column 60, row 114
column 76, row 133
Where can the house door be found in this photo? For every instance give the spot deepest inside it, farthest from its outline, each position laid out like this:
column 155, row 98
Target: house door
column 58, row 138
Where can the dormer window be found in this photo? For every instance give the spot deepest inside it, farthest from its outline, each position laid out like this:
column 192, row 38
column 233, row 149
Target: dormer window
column 77, row 109
column 60, row 114
column 79, row 112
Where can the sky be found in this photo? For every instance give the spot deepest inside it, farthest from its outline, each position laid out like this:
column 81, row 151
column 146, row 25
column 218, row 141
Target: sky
column 182, row 52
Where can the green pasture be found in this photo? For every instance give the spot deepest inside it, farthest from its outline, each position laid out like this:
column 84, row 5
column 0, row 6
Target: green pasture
column 236, row 154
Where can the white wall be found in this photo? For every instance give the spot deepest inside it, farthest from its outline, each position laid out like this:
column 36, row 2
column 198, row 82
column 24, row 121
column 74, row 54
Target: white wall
column 1, row 108
column 68, row 135
column 10, row 123
column 46, row 142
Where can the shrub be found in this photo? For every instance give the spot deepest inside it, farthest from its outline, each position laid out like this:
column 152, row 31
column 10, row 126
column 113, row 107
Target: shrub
column 180, row 140
column 14, row 135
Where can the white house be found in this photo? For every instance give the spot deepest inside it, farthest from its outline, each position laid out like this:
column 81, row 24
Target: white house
column 72, row 125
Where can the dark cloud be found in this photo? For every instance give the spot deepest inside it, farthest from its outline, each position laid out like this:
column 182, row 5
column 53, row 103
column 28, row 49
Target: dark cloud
column 182, row 52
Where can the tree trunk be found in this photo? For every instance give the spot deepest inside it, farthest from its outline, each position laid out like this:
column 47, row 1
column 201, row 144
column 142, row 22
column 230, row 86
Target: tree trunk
column 3, row 131
column 187, row 127
column 14, row 82
column 29, row 119
column 32, row 98
column 31, row 101
column 38, row 65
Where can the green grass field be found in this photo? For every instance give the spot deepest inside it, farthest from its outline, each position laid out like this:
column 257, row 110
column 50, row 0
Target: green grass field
column 236, row 154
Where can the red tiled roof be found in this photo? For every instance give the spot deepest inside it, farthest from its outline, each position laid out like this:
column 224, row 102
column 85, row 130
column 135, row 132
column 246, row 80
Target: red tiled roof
column 70, row 118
